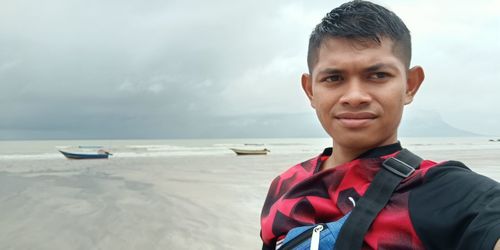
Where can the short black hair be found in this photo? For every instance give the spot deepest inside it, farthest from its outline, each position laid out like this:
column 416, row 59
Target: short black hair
column 361, row 21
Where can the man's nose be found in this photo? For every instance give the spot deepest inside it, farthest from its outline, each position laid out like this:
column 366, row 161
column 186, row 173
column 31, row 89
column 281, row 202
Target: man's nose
column 355, row 94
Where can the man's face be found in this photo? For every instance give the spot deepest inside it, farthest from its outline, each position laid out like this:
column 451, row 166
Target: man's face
column 359, row 91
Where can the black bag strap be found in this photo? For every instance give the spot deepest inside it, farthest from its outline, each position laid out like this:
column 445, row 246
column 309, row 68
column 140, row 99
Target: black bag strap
column 394, row 170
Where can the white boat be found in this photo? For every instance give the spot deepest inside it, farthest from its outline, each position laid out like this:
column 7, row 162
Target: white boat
column 241, row 151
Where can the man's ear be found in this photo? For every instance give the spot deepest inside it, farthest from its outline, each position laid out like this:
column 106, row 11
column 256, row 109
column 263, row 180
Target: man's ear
column 414, row 80
column 306, row 80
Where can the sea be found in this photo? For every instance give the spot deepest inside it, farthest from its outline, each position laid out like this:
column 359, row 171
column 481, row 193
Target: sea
column 48, row 149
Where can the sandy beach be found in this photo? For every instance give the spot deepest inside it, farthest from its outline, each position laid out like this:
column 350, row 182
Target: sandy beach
column 143, row 203
column 177, row 202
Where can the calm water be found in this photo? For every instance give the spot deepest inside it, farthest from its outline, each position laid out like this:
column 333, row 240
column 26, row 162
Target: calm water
column 33, row 150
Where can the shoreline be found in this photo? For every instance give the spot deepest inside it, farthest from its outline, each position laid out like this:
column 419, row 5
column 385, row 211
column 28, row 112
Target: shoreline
column 178, row 202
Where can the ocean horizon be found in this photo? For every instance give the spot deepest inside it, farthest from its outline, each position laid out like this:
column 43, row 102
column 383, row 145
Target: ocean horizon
column 126, row 148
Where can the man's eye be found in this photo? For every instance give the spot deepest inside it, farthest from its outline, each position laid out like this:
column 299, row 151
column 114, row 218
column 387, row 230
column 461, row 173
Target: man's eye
column 379, row 75
column 333, row 78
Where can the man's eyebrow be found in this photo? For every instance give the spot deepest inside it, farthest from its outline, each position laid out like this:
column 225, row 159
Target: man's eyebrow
column 379, row 66
column 329, row 71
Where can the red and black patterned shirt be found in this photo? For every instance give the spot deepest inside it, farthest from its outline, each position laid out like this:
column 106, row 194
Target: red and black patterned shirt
column 440, row 206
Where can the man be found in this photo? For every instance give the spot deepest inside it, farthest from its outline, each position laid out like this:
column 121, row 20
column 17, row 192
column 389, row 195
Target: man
column 359, row 81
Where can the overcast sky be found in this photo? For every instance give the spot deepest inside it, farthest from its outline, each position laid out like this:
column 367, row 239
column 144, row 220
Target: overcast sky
column 184, row 69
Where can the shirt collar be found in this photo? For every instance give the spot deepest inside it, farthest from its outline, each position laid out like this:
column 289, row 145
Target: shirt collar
column 374, row 152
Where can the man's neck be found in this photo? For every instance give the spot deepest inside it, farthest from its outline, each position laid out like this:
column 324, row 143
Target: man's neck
column 340, row 156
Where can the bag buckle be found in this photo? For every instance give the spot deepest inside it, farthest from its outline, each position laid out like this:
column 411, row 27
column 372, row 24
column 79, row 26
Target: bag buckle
column 398, row 167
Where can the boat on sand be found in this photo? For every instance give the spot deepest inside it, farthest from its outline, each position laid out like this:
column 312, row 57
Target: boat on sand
column 241, row 151
column 100, row 154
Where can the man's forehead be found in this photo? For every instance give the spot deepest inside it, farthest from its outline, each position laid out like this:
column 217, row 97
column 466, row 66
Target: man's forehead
column 341, row 51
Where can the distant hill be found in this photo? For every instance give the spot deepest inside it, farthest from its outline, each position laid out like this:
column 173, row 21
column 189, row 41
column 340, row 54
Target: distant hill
column 425, row 123
column 416, row 123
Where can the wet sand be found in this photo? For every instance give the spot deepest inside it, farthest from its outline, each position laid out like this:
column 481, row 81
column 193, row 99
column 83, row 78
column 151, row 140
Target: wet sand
column 200, row 202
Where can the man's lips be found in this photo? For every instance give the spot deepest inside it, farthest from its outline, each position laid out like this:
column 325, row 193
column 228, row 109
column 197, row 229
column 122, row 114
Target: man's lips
column 355, row 119
column 356, row 115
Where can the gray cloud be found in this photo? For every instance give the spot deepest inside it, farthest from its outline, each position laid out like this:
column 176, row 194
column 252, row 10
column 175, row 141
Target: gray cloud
column 118, row 69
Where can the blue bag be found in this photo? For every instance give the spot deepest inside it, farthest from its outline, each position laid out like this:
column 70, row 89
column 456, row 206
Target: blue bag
column 315, row 237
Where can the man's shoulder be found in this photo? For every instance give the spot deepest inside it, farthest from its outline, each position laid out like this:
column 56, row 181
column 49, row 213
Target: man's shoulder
column 457, row 204
column 455, row 172
column 452, row 175
column 293, row 175
column 299, row 171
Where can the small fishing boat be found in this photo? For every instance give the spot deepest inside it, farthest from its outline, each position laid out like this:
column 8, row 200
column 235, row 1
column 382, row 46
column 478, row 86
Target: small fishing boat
column 240, row 151
column 101, row 154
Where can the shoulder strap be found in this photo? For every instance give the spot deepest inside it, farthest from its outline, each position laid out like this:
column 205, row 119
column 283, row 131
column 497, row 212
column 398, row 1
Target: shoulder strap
column 394, row 170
